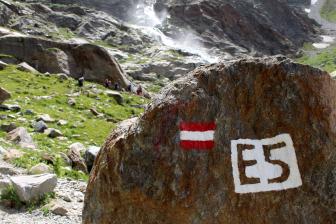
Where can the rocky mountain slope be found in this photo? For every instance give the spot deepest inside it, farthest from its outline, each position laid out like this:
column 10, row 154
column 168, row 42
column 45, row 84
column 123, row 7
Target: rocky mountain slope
column 237, row 27
column 157, row 46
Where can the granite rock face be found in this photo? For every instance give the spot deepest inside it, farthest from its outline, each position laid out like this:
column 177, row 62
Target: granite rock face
column 249, row 141
column 91, row 61
column 255, row 27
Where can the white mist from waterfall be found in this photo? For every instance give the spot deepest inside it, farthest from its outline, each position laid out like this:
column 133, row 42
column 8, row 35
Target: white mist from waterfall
column 146, row 19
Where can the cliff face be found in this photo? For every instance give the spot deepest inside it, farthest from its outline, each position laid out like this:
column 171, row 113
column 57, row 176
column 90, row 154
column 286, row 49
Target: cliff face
column 262, row 26
column 249, row 141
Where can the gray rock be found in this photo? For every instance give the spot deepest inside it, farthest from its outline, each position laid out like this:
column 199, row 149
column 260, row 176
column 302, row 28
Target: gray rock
column 11, row 107
column 29, row 112
column 30, row 188
column 8, row 127
column 3, row 65
column 72, row 102
column 25, row 67
column 116, row 95
column 59, row 209
column 46, row 118
column 22, row 137
column 77, row 161
column 90, row 156
column 78, row 147
column 62, row 122
column 4, row 95
column 40, row 126
column 40, row 168
column 53, row 133
column 12, row 154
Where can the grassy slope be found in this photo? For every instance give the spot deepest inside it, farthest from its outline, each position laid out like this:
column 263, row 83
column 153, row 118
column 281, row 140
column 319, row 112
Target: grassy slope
column 82, row 125
column 324, row 59
column 328, row 10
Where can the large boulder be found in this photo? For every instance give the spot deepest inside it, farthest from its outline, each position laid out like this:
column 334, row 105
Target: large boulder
column 31, row 188
column 92, row 61
column 4, row 95
column 247, row 141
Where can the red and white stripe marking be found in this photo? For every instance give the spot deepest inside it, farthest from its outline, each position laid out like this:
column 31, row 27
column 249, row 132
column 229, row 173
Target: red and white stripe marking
column 198, row 136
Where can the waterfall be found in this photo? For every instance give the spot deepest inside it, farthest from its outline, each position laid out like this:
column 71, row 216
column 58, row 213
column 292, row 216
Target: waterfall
column 146, row 19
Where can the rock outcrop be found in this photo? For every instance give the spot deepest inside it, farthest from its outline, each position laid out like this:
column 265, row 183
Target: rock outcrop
column 248, row 141
column 92, row 61
column 253, row 27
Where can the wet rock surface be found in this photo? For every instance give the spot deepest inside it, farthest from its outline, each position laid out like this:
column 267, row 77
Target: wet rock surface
column 262, row 27
column 217, row 146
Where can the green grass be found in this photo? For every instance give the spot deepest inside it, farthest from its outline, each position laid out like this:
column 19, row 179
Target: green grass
column 325, row 59
column 82, row 125
column 62, row 33
column 328, row 10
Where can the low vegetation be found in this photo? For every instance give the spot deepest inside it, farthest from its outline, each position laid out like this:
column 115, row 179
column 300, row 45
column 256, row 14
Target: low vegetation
column 328, row 10
column 11, row 199
column 324, row 59
column 48, row 94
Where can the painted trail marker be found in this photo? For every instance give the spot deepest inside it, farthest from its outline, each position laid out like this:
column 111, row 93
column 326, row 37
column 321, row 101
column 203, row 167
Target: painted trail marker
column 264, row 165
column 197, row 136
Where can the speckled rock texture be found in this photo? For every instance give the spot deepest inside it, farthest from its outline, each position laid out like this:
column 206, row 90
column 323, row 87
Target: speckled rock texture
column 142, row 175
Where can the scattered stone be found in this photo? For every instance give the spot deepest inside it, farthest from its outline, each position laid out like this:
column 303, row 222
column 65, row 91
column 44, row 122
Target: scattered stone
column 8, row 127
column 94, row 112
column 78, row 147
column 25, row 67
column 40, row 168
column 77, row 161
column 116, row 95
column 22, row 137
column 66, row 198
column 29, row 112
column 58, row 208
column 30, row 188
column 3, row 117
column 53, row 133
column 72, row 102
column 22, row 119
column 14, row 108
column 46, row 118
column 49, row 159
column 12, row 154
column 62, row 76
column 90, row 156
column 40, row 126
column 62, row 122
column 3, row 65
column 4, row 95
column 79, row 195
